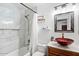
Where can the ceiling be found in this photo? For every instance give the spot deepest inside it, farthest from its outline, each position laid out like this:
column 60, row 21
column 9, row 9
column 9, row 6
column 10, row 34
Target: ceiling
column 43, row 8
column 46, row 5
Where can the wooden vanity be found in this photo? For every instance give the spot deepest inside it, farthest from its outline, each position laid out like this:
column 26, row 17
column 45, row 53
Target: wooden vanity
column 57, row 50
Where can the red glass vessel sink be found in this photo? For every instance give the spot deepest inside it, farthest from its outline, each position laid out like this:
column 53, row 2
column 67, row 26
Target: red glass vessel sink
column 64, row 41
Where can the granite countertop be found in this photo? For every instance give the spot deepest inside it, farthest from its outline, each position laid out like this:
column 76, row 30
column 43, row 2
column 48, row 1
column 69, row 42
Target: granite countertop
column 73, row 47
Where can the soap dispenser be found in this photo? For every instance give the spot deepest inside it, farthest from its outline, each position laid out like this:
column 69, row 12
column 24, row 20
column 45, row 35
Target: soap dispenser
column 52, row 38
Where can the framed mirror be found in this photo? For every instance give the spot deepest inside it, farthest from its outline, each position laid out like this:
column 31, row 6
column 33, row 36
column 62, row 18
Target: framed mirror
column 64, row 22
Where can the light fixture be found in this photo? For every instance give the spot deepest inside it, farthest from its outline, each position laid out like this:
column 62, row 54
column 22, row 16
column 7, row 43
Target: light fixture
column 62, row 6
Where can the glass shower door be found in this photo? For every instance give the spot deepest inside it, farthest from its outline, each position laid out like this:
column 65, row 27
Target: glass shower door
column 24, row 34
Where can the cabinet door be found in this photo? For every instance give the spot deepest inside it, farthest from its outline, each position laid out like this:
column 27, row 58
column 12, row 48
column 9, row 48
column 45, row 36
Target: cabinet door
column 54, row 52
column 59, row 52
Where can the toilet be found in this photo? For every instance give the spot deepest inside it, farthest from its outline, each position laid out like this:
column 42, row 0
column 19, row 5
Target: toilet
column 43, row 36
column 41, row 50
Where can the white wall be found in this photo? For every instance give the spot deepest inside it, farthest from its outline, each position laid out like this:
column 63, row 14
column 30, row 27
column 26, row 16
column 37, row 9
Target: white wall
column 49, row 15
column 69, row 8
column 44, row 10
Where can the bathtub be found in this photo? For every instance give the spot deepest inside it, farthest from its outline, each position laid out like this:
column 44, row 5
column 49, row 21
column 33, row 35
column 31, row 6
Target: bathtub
column 19, row 52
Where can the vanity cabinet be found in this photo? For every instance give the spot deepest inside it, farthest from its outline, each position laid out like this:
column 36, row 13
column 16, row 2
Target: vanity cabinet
column 53, row 51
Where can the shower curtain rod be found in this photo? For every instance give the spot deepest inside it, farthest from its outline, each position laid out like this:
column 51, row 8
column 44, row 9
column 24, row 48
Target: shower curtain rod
column 28, row 7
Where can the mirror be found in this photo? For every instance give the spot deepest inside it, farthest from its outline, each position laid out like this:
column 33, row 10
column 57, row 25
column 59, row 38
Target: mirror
column 64, row 22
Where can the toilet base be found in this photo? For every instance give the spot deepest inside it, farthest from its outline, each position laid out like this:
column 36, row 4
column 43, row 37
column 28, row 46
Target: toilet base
column 38, row 54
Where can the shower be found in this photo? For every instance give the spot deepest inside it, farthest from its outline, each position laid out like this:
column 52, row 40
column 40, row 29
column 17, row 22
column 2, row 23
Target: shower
column 15, row 29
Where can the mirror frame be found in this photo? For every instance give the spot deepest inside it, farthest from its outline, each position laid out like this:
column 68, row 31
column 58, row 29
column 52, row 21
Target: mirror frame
column 72, row 22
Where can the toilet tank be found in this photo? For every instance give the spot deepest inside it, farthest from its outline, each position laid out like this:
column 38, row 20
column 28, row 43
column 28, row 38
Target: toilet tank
column 43, row 36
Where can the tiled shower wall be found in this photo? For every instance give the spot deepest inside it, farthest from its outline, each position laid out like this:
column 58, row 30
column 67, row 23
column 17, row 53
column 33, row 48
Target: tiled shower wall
column 8, row 41
column 11, row 28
